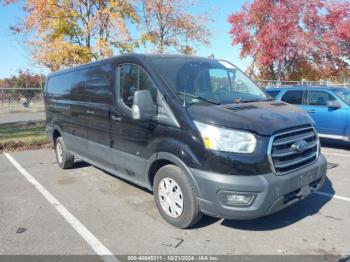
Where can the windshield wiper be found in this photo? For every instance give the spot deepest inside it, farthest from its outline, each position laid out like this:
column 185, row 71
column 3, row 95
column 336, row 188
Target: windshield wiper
column 198, row 97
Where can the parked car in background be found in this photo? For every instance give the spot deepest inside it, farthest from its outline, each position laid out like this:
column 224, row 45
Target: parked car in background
column 328, row 106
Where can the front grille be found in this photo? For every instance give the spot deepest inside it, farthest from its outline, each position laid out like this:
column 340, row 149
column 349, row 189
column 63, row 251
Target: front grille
column 285, row 158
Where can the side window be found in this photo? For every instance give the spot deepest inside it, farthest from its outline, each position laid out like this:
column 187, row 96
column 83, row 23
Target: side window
column 128, row 83
column 319, row 98
column 146, row 83
column 59, row 86
column 293, row 97
column 97, row 85
column 69, row 85
column 77, row 80
column 133, row 78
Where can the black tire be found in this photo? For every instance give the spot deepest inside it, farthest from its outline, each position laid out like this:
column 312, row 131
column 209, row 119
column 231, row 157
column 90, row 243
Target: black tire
column 191, row 213
column 67, row 159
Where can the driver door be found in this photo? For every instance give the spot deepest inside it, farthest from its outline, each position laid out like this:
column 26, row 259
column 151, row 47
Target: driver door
column 131, row 138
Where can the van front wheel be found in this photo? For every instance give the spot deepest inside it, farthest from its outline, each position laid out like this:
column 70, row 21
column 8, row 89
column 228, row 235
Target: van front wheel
column 175, row 197
column 64, row 158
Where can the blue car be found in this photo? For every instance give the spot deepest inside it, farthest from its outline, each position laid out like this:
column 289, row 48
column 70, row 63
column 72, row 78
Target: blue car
column 328, row 106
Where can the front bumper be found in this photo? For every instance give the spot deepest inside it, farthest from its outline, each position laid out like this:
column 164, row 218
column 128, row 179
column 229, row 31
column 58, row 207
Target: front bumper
column 272, row 192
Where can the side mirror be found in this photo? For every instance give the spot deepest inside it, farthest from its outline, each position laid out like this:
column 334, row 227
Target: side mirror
column 334, row 104
column 143, row 106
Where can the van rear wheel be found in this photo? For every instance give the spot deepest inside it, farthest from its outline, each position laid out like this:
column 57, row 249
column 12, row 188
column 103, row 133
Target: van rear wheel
column 175, row 197
column 64, row 158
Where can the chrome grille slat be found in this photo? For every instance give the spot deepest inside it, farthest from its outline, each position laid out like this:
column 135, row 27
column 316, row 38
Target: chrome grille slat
column 293, row 140
column 294, row 131
column 284, row 158
column 288, row 152
column 295, row 162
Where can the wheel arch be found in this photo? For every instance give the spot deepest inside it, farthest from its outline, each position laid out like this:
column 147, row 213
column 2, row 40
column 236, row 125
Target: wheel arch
column 55, row 134
column 163, row 158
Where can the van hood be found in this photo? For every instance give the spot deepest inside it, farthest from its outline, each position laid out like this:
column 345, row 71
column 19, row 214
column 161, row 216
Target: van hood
column 263, row 118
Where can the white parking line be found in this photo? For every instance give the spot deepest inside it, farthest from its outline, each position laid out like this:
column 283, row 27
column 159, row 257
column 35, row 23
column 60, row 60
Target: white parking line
column 332, row 196
column 94, row 243
column 335, row 154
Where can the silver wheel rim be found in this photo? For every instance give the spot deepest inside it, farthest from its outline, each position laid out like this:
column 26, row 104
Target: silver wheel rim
column 59, row 152
column 170, row 197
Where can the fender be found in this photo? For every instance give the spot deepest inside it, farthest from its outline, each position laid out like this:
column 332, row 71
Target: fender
column 177, row 161
column 181, row 150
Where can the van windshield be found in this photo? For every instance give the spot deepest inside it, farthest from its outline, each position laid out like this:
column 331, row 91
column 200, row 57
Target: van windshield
column 344, row 94
column 208, row 81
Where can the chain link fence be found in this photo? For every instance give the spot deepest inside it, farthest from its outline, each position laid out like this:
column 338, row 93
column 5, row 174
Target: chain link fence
column 22, row 117
column 21, row 100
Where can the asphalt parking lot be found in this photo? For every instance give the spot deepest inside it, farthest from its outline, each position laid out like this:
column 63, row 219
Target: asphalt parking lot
column 113, row 214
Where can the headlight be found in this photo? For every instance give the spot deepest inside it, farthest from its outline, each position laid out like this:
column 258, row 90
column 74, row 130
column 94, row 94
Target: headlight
column 228, row 140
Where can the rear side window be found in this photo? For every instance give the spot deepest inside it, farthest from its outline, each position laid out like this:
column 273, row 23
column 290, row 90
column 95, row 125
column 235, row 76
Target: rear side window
column 133, row 78
column 273, row 93
column 57, row 86
column 319, row 98
column 97, row 86
column 66, row 85
column 77, row 79
column 293, row 97
column 91, row 84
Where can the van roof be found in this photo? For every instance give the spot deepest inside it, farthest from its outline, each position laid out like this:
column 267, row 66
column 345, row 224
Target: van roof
column 140, row 56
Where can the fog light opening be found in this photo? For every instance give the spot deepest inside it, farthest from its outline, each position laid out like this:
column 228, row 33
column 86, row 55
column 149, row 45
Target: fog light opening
column 239, row 199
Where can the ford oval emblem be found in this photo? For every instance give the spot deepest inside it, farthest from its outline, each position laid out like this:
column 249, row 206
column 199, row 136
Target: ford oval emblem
column 299, row 146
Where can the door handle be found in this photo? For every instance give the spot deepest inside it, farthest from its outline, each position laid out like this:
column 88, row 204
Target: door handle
column 116, row 118
column 90, row 111
column 311, row 111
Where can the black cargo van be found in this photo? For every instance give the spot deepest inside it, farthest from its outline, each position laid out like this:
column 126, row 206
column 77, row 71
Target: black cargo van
column 196, row 131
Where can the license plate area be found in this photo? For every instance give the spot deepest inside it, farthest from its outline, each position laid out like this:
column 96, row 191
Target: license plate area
column 307, row 178
column 302, row 192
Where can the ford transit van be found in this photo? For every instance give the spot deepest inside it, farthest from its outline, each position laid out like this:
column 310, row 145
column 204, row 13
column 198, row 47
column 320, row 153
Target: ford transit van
column 196, row 131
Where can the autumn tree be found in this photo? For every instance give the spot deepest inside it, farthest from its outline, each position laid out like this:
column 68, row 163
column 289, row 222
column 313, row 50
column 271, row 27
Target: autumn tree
column 167, row 24
column 68, row 32
column 292, row 40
